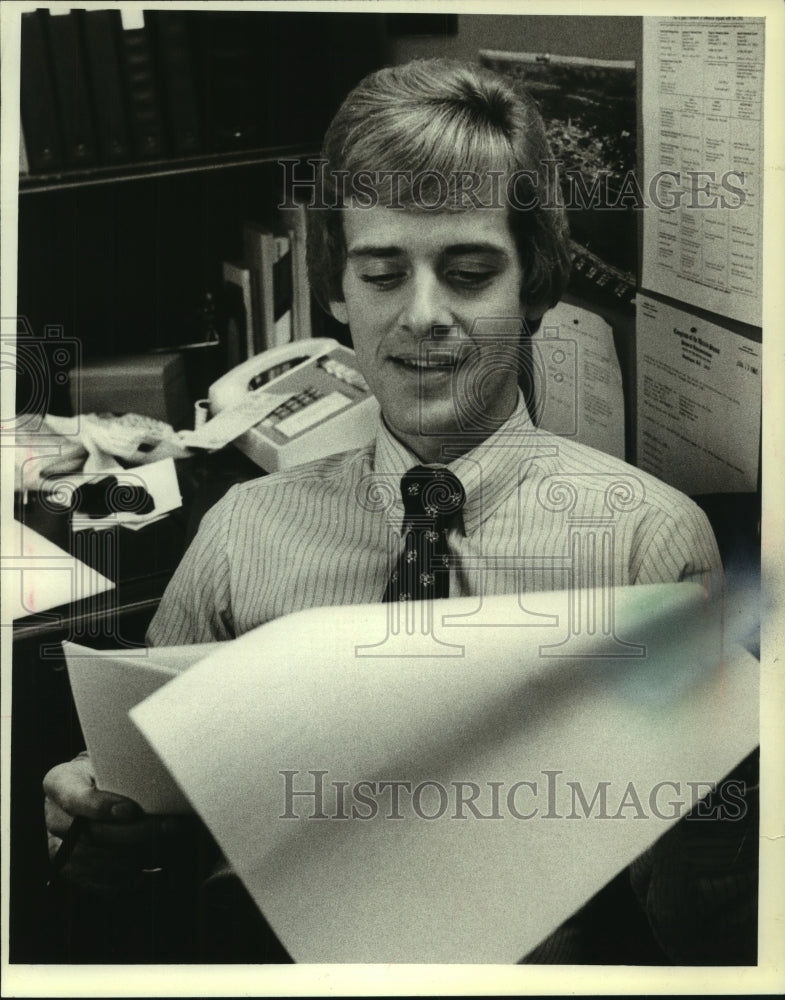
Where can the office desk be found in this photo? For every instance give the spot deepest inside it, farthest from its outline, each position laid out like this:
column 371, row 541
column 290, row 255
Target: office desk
column 45, row 728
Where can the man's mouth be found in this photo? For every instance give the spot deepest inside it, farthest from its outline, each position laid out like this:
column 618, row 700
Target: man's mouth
column 425, row 365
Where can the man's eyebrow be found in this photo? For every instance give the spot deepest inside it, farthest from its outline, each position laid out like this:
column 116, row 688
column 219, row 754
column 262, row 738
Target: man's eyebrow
column 365, row 250
column 464, row 248
column 454, row 250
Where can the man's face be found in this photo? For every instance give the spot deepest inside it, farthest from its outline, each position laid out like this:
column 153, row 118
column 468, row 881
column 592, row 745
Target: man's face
column 408, row 272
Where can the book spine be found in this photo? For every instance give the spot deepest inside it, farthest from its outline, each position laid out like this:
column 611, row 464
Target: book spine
column 283, row 305
column 177, row 80
column 70, row 75
column 37, row 97
column 301, row 289
column 141, row 86
column 260, row 255
column 237, row 281
column 101, row 37
column 228, row 70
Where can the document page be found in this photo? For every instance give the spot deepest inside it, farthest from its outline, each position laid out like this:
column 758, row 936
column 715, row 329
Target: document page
column 703, row 162
column 699, row 401
column 578, row 381
column 452, row 794
column 105, row 686
column 39, row 575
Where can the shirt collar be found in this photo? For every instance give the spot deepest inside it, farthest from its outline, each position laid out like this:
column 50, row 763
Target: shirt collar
column 489, row 472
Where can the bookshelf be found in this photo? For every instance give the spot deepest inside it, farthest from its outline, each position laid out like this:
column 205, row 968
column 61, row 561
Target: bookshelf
column 121, row 244
column 170, row 166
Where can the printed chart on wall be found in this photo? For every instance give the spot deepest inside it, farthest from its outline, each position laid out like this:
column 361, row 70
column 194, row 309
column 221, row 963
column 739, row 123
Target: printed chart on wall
column 578, row 380
column 699, row 396
column 703, row 153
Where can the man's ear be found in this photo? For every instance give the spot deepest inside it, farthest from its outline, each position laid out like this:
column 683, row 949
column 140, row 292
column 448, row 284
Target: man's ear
column 340, row 312
column 532, row 320
column 533, row 315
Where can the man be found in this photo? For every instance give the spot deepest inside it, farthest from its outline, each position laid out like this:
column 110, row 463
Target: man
column 438, row 236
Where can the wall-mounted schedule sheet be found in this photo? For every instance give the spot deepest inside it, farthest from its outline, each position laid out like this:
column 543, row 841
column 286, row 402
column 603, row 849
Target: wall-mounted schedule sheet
column 703, row 162
column 699, row 401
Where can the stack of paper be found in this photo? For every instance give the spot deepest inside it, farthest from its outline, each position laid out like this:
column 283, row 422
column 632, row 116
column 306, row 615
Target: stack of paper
column 422, row 807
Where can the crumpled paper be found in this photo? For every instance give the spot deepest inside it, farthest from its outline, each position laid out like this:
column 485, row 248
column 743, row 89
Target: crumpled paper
column 88, row 443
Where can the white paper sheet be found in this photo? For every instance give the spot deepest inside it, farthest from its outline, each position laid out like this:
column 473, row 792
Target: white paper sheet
column 38, row 575
column 578, row 382
column 703, row 162
column 159, row 479
column 294, row 701
column 105, row 688
column 699, row 401
column 230, row 423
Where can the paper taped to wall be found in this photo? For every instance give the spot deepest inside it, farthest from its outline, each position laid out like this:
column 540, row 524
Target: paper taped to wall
column 699, row 401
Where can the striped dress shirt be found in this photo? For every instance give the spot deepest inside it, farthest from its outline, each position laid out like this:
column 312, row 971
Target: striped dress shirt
column 542, row 513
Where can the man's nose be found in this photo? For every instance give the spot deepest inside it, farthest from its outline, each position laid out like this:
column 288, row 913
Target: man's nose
column 426, row 305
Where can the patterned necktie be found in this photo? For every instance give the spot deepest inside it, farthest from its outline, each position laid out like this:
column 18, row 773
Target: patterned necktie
column 431, row 499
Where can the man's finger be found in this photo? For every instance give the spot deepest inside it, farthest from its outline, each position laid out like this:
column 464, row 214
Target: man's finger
column 57, row 820
column 71, row 787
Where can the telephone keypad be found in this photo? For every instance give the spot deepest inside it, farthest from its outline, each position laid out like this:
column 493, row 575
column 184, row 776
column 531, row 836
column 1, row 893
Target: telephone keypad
column 293, row 405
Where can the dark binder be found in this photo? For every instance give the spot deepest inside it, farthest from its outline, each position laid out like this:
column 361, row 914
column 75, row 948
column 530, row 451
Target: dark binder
column 144, row 104
column 69, row 69
column 101, row 36
column 37, row 97
column 175, row 65
column 231, row 55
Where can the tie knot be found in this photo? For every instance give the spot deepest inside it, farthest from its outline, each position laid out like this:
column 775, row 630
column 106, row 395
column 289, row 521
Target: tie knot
column 436, row 494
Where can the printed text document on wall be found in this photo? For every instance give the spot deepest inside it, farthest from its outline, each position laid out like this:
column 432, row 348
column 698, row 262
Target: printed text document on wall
column 703, row 162
column 699, row 401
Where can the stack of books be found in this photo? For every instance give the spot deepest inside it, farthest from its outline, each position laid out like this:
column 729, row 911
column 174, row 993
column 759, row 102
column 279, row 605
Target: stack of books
column 119, row 86
column 267, row 293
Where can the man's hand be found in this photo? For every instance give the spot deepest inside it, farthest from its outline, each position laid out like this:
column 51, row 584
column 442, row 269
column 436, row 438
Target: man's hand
column 117, row 842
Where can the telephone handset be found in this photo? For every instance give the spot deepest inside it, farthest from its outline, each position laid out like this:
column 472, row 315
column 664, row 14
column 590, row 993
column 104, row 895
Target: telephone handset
column 312, row 401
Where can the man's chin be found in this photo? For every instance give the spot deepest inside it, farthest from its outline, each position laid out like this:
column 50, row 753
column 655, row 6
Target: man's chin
column 429, row 426
column 443, row 422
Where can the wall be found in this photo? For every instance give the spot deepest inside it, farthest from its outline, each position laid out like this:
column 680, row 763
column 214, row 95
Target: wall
column 599, row 37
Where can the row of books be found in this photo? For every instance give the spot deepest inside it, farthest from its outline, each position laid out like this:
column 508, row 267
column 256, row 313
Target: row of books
column 111, row 87
column 267, row 296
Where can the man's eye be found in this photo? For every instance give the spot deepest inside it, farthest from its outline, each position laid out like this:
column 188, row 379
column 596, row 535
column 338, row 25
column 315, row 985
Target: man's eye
column 471, row 278
column 387, row 280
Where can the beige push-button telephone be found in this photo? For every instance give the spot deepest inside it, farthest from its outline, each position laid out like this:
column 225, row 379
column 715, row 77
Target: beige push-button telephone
column 312, row 401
